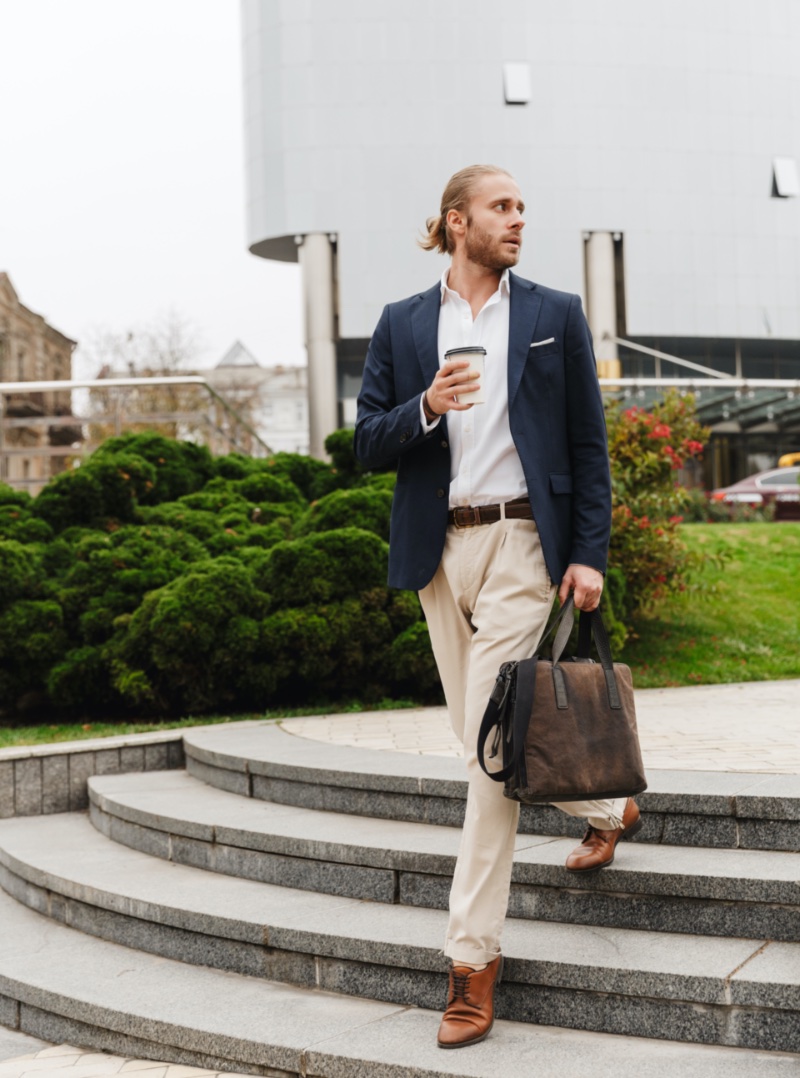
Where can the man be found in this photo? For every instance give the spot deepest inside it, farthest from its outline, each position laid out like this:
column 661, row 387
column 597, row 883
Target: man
column 494, row 503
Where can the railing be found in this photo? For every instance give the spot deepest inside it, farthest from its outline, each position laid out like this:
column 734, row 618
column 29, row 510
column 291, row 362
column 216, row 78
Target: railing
column 226, row 431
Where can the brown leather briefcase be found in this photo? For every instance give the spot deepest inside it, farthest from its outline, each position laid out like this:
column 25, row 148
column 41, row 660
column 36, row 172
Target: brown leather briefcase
column 567, row 726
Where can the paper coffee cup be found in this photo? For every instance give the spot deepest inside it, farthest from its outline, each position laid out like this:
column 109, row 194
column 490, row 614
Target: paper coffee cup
column 476, row 355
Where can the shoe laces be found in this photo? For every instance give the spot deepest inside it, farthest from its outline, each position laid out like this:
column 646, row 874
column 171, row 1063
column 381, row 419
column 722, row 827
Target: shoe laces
column 460, row 979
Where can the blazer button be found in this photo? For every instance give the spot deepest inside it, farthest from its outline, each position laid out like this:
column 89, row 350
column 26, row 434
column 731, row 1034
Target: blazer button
column 444, row 443
column 403, row 437
column 440, row 493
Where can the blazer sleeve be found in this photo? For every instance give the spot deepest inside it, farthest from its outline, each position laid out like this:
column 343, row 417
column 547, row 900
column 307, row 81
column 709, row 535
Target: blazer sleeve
column 588, row 446
column 385, row 426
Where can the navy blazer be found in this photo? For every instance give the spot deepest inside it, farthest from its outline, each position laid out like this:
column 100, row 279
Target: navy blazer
column 555, row 412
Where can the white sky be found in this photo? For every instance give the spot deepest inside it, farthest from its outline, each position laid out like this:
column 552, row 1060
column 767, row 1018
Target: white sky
column 122, row 174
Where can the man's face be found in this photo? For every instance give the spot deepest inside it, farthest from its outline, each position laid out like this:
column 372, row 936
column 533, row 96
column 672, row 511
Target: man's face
column 493, row 236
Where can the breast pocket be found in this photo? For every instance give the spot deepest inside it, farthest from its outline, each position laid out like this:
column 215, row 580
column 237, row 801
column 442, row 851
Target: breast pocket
column 550, row 346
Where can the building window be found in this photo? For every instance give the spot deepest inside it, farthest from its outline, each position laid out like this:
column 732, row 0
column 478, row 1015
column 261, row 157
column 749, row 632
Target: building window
column 785, row 182
column 517, row 83
column 20, row 366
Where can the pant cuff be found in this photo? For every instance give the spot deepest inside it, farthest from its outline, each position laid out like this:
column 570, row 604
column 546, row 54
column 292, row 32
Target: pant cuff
column 469, row 954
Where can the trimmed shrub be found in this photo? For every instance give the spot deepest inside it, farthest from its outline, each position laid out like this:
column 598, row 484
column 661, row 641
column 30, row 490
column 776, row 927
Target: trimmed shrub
column 9, row 496
column 360, row 507
column 32, row 638
column 180, row 467
column 20, row 571
column 322, row 652
column 109, row 575
column 313, row 478
column 18, row 523
column 70, row 499
column 192, row 645
column 262, row 486
column 81, row 681
column 97, row 493
column 412, row 664
column 323, row 568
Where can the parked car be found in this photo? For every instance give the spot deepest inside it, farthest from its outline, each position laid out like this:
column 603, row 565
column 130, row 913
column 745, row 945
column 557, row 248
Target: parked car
column 778, row 486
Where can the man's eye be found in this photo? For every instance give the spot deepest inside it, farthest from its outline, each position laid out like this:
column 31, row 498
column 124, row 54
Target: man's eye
column 501, row 205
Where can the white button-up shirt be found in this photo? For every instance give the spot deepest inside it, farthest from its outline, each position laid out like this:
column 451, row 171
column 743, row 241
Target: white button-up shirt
column 485, row 466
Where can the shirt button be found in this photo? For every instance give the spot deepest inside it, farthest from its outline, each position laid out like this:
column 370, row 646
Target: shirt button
column 440, row 493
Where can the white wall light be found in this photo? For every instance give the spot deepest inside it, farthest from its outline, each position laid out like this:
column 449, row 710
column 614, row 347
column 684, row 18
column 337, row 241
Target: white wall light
column 785, row 181
column 517, row 83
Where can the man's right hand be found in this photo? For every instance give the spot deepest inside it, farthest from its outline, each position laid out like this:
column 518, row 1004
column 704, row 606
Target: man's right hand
column 452, row 378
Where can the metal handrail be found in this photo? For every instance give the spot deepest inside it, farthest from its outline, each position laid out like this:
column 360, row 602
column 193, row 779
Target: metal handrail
column 56, row 385
column 717, row 382
column 664, row 355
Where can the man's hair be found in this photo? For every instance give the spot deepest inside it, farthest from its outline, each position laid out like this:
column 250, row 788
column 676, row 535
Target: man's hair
column 456, row 196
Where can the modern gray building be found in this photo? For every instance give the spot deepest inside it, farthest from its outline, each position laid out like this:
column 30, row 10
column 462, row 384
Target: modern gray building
column 657, row 147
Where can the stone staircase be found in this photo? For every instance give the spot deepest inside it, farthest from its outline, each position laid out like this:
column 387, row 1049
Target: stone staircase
column 279, row 908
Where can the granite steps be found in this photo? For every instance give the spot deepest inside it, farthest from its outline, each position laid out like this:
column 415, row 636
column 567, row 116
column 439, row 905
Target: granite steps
column 684, row 808
column 730, row 992
column 63, row 986
column 721, row 892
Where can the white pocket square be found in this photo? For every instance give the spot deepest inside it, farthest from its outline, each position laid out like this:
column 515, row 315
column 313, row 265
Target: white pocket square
column 538, row 344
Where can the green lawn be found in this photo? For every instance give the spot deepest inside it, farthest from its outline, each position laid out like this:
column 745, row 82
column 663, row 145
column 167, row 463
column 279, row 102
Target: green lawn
column 747, row 628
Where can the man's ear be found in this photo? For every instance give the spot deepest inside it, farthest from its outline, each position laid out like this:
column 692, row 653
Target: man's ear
column 456, row 222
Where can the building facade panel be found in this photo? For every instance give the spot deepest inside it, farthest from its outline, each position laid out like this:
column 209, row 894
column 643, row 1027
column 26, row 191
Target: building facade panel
column 659, row 123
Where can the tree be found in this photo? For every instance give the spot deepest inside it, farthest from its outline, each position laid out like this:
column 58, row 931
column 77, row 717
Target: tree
column 169, row 345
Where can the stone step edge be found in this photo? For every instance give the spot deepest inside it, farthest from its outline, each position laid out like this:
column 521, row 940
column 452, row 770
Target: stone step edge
column 380, row 1042
column 35, row 886
column 105, row 811
column 284, row 755
column 739, row 1025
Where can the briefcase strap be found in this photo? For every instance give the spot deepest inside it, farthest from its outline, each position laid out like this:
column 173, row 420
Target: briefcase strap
column 512, row 726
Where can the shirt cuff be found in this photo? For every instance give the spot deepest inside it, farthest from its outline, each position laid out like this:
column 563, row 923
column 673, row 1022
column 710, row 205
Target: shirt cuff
column 426, row 426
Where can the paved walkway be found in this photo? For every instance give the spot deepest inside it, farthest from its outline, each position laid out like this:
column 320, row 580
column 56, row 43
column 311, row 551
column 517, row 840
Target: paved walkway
column 64, row 1061
column 752, row 726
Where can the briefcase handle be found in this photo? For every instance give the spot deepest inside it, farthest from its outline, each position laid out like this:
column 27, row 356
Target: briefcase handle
column 590, row 626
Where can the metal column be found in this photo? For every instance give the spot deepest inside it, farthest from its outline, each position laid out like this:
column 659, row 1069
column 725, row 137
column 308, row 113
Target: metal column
column 316, row 262
column 601, row 301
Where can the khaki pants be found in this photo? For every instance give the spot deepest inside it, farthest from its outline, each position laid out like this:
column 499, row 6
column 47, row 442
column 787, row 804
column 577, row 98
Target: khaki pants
column 487, row 604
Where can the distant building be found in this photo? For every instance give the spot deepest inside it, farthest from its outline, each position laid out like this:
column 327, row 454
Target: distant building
column 274, row 400
column 31, row 350
column 656, row 145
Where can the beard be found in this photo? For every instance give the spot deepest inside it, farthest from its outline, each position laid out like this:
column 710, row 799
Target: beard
column 484, row 250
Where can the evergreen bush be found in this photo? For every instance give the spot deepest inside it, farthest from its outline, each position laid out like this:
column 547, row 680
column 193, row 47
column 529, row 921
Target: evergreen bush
column 157, row 580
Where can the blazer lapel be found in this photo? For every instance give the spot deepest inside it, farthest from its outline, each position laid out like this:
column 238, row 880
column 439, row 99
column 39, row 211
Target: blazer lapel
column 425, row 328
column 526, row 301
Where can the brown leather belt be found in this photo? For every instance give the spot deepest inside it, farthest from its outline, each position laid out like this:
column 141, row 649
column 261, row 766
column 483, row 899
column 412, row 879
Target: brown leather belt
column 467, row 516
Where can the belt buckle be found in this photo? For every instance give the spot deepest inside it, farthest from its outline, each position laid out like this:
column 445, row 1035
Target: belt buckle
column 466, row 509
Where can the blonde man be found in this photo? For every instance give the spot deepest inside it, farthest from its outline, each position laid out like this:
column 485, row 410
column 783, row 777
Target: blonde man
column 497, row 505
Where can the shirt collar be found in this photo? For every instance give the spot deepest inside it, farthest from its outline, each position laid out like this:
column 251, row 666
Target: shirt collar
column 503, row 288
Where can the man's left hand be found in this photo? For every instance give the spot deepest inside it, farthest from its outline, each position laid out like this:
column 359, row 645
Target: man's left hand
column 585, row 583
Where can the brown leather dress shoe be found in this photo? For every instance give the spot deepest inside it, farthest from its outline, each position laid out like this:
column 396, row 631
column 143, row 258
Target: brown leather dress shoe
column 469, row 1016
column 597, row 848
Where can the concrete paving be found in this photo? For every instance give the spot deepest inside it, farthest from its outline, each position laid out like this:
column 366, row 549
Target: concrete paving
column 60, row 1060
column 749, row 726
